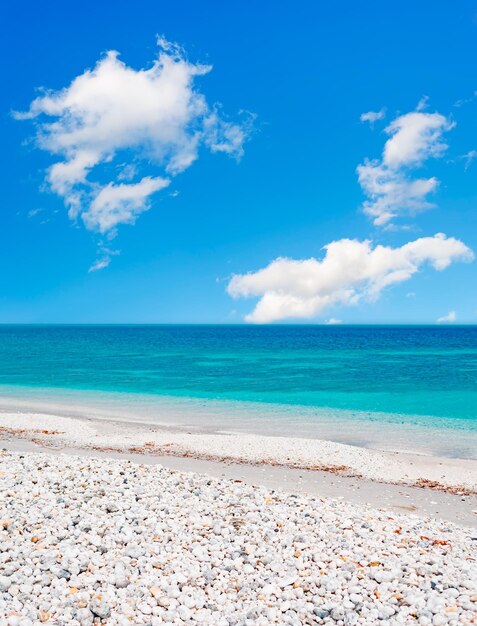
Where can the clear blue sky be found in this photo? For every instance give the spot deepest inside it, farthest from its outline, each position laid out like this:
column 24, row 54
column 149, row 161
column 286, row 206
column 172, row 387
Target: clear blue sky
column 306, row 71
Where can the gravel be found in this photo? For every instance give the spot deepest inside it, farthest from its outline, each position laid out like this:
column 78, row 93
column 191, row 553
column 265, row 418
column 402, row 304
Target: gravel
column 89, row 541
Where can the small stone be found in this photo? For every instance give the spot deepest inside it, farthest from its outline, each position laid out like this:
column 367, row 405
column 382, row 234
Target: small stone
column 5, row 583
column 100, row 607
column 189, row 548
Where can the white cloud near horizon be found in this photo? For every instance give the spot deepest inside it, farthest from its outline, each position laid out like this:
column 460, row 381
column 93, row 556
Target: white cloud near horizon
column 372, row 116
column 349, row 272
column 391, row 190
column 156, row 117
column 450, row 318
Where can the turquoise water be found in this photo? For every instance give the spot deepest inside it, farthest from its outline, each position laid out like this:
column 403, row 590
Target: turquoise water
column 422, row 376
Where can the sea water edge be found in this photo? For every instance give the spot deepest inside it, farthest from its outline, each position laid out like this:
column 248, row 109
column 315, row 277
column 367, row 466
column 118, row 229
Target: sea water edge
column 357, row 385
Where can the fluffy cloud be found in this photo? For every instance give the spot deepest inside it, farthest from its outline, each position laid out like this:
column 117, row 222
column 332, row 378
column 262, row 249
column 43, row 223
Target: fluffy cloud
column 372, row 116
column 450, row 318
column 350, row 271
column 122, row 203
column 155, row 116
column 391, row 193
column 413, row 138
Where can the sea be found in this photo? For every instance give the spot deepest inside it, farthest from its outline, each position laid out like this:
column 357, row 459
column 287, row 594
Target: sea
column 397, row 388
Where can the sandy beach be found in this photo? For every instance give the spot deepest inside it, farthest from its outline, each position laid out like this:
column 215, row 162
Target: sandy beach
column 440, row 488
column 457, row 475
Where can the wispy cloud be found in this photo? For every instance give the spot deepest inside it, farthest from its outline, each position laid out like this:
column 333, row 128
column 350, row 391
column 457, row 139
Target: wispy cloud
column 387, row 182
column 373, row 116
column 127, row 171
column 33, row 212
column 156, row 117
column 468, row 158
column 422, row 104
column 450, row 318
column 349, row 272
column 104, row 259
column 462, row 101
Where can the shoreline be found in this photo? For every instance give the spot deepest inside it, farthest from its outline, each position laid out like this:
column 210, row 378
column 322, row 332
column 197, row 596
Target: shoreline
column 459, row 475
column 384, row 432
column 437, row 487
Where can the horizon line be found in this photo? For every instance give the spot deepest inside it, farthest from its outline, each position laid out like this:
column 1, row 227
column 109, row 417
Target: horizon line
column 247, row 325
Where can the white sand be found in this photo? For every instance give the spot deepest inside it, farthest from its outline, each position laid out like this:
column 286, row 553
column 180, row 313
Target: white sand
column 247, row 448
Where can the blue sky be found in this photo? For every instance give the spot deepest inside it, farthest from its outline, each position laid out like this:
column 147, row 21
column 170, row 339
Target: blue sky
column 292, row 80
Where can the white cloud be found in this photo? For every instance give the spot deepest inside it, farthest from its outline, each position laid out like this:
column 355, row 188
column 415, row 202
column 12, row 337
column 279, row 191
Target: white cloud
column 448, row 319
column 422, row 104
column 100, row 264
column 122, row 203
column 34, row 212
column 333, row 322
column 413, row 138
column 156, row 117
column 127, row 171
column 463, row 101
column 391, row 193
column 350, row 271
column 469, row 157
column 104, row 259
column 373, row 116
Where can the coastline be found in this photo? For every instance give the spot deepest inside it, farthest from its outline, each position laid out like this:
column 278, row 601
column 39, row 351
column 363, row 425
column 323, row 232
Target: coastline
column 119, row 522
column 386, row 432
column 397, row 481
column 459, row 475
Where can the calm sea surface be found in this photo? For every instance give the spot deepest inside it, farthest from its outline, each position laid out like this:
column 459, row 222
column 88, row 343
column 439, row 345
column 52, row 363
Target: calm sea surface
column 298, row 379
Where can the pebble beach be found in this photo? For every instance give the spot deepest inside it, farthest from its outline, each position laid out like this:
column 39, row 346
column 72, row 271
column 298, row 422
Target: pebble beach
column 104, row 541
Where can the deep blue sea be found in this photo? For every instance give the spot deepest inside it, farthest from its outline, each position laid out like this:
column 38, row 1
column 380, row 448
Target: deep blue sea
column 308, row 380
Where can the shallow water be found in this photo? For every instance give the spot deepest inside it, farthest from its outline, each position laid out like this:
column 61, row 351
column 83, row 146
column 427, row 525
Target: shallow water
column 396, row 387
